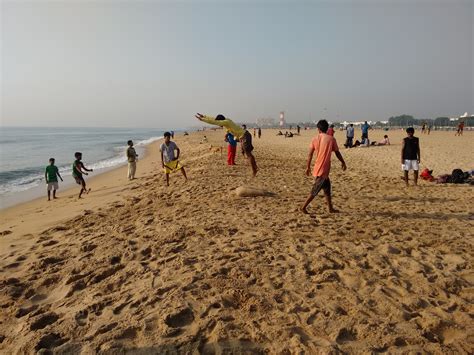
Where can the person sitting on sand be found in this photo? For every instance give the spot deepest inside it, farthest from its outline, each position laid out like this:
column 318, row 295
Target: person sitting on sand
column 78, row 169
column 239, row 133
column 279, row 133
column 203, row 140
column 51, row 175
column 323, row 144
column 384, row 141
column 288, row 135
column 170, row 162
column 411, row 155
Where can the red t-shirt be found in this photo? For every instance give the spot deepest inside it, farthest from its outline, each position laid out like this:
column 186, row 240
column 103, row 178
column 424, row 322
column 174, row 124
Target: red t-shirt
column 330, row 131
column 324, row 145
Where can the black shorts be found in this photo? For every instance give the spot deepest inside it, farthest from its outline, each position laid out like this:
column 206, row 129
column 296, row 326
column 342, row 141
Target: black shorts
column 321, row 183
column 79, row 180
column 365, row 135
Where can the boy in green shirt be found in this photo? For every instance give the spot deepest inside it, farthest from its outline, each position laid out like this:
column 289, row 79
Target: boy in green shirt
column 51, row 176
column 78, row 169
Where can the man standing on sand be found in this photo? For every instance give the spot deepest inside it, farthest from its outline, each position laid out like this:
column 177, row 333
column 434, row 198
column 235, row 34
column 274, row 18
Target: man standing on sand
column 411, row 155
column 323, row 144
column 460, row 129
column 242, row 134
column 132, row 160
column 349, row 135
column 365, row 131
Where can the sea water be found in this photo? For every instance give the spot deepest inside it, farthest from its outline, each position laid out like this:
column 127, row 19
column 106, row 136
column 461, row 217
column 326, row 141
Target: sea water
column 25, row 153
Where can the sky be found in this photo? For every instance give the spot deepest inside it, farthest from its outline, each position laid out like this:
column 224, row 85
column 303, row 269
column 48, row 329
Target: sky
column 156, row 63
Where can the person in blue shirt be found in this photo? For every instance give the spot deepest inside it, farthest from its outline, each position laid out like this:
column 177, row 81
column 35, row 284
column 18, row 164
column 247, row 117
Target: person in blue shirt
column 231, row 148
column 365, row 131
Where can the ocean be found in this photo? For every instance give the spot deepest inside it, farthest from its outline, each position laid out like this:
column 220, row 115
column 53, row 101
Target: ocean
column 25, row 152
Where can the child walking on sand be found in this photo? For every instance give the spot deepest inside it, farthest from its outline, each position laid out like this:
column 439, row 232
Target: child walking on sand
column 51, row 175
column 169, row 161
column 78, row 169
column 411, row 155
column 323, row 144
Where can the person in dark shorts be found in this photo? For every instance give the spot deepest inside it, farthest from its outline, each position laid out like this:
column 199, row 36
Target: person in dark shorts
column 78, row 169
column 365, row 130
column 247, row 148
column 323, row 144
column 410, row 155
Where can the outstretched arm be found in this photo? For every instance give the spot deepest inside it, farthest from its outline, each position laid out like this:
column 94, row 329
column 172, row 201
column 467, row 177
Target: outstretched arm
column 341, row 159
column 80, row 166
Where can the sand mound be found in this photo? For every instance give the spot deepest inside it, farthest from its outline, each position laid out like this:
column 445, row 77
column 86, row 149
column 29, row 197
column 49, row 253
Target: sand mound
column 249, row 191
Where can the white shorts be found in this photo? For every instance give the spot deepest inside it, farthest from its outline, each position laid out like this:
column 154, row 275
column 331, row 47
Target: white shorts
column 53, row 186
column 410, row 165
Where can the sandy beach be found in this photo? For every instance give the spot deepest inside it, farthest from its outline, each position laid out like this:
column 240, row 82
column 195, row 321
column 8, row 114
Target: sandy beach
column 138, row 267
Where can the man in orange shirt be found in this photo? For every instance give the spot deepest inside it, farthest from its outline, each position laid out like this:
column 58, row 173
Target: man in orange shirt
column 324, row 145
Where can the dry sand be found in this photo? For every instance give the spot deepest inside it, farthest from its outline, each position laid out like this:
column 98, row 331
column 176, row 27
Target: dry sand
column 146, row 268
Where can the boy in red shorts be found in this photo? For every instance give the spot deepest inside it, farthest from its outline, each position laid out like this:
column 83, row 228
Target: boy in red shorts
column 324, row 145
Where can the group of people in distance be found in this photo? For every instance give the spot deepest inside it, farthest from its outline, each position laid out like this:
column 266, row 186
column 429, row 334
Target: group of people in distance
column 323, row 145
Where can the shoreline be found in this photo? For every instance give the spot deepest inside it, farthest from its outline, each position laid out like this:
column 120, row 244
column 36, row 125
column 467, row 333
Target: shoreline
column 111, row 179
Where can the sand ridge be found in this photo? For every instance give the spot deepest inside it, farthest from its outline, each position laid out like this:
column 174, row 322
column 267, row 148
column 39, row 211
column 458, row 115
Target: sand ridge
column 195, row 268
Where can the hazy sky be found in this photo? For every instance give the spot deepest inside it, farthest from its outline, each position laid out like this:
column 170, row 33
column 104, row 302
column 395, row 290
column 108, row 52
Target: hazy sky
column 157, row 63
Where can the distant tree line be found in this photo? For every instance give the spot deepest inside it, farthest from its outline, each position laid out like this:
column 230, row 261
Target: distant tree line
column 407, row 120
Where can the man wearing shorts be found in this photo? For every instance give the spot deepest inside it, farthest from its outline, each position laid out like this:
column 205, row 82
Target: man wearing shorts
column 410, row 155
column 51, row 176
column 323, row 144
column 78, row 169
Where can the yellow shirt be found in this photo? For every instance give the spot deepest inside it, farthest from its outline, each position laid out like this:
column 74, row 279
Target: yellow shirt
column 236, row 130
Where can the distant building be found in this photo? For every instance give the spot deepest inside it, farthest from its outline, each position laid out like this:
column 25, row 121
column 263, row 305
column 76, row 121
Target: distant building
column 282, row 119
column 265, row 122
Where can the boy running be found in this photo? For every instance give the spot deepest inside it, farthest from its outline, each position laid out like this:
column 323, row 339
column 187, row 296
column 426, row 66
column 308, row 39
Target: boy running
column 169, row 162
column 324, row 145
column 410, row 155
column 78, row 169
column 51, row 175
